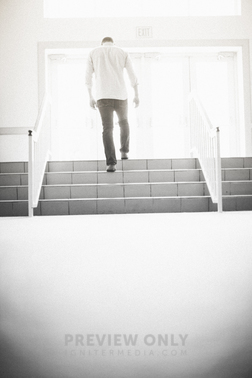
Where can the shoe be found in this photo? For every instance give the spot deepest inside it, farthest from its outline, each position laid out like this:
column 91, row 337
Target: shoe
column 124, row 155
column 111, row 168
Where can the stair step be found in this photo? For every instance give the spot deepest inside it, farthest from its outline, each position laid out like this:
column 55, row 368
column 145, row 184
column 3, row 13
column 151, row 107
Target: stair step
column 90, row 165
column 125, row 205
column 93, row 177
column 114, row 190
column 136, row 164
column 131, row 176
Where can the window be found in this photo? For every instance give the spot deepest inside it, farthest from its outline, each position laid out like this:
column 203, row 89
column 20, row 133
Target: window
column 140, row 8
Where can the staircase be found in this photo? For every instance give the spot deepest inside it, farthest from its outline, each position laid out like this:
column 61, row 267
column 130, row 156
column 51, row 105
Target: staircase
column 138, row 186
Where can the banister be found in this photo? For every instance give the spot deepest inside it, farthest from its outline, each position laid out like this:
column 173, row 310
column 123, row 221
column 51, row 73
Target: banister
column 39, row 151
column 13, row 130
column 205, row 143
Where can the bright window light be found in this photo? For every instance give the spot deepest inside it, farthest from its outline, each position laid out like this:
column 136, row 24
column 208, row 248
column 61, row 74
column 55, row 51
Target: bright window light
column 140, row 8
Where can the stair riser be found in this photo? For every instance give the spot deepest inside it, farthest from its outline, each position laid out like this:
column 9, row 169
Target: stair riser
column 109, row 191
column 124, row 177
column 123, row 165
column 127, row 190
column 125, row 206
column 22, row 167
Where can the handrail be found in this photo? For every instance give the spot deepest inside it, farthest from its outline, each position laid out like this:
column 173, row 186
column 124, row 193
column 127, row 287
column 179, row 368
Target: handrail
column 14, row 130
column 39, row 152
column 205, row 144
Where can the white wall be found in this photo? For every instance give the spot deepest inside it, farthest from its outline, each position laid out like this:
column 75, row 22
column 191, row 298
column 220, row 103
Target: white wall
column 22, row 27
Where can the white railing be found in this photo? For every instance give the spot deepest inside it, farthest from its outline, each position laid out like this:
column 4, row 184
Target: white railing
column 39, row 152
column 205, row 145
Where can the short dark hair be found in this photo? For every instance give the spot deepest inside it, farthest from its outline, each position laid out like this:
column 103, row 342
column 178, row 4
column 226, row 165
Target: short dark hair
column 107, row 39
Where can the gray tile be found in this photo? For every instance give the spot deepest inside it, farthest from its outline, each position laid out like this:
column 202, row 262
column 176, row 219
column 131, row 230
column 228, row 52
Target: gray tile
column 84, row 178
column 188, row 189
column 237, row 174
column 248, row 162
column 110, row 191
column 184, row 163
column 20, row 209
column 197, row 204
column 244, row 203
column 60, row 166
column 226, row 188
column 8, row 193
column 135, row 176
column 101, row 165
column 10, row 179
column 89, row 165
column 166, row 205
column 56, row 192
column 232, row 162
column 84, row 191
column 159, row 163
column 58, row 178
column 161, row 176
column 137, row 190
column 138, row 205
column 22, row 193
column 164, row 190
column 136, row 164
column 108, row 206
column 239, row 187
column 37, row 210
column 6, row 209
column 229, row 203
column 187, row 175
column 54, row 207
column 110, row 177
column 15, row 167
column 24, row 179
column 82, row 207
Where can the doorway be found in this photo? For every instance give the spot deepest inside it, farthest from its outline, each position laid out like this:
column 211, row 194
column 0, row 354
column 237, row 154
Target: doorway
column 159, row 127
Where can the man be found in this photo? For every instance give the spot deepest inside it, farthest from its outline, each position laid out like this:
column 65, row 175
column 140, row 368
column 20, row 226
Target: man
column 107, row 62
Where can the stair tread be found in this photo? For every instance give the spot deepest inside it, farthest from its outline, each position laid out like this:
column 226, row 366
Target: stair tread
column 125, row 198
column 130, row 183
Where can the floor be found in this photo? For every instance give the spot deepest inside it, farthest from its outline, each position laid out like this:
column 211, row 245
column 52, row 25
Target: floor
column 114, row 296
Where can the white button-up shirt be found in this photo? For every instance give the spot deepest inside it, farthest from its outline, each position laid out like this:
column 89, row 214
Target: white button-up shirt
column 107, row 63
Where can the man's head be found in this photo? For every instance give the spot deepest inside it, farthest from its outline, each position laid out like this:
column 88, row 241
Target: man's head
column 107, row 40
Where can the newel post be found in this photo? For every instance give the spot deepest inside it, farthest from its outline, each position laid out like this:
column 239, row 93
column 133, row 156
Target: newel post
column 30, row 173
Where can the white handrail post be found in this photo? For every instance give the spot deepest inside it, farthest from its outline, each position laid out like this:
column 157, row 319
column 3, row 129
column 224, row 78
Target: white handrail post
column 30, row 174
column 205, row 140
column 218, row 171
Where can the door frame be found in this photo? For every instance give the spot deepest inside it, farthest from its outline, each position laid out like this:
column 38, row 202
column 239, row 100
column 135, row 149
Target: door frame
column 241, row 47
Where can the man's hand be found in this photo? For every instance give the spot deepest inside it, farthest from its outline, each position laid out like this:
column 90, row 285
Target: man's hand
column 92, row 103
column 136, row 101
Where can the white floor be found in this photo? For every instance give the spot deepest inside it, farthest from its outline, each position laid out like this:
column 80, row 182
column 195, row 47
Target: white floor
column 188, row 276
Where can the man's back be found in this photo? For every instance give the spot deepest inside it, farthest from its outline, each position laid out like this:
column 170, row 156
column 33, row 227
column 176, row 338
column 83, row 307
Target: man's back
column 108, row 63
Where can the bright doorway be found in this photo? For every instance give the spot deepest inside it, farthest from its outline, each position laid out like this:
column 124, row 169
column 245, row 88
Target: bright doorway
column 159, row 127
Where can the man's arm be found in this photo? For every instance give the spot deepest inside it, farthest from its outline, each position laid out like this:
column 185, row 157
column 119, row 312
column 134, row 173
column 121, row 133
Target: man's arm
column 92, row 101
column 133, row 80
column 136, row 98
